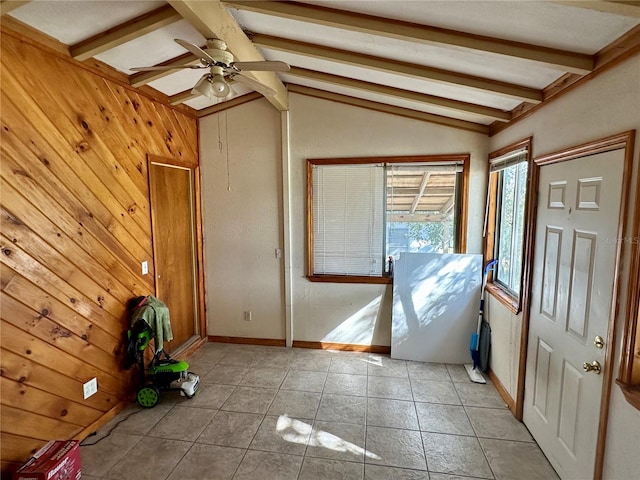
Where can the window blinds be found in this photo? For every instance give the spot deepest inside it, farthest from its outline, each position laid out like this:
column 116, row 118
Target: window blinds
column 507, row 160
column 348, row 211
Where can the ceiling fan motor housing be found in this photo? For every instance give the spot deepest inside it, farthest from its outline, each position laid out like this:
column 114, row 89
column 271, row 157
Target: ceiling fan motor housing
column 217, row 49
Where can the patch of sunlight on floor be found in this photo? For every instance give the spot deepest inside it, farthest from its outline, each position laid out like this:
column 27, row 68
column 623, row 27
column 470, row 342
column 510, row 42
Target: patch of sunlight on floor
column 359, row 327
column 292, row 430
column 295, row 431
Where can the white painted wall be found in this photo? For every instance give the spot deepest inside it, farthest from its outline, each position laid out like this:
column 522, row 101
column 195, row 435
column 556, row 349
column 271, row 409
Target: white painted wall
column 506, row 329
column 356, row 313
column 240, row 159
column 606, row 105
column 243, row 225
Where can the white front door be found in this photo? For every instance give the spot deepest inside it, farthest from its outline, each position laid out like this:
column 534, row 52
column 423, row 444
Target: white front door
column 573, row 277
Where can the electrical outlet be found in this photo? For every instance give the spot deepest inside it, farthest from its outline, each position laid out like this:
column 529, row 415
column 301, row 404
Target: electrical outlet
column 90, row 387
column 145, row 268
column 247, row 316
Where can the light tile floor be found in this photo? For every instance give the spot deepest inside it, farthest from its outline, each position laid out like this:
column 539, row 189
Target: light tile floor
column 267, row 413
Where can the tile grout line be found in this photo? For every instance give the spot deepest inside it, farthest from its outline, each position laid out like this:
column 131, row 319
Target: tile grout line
column 370, row 374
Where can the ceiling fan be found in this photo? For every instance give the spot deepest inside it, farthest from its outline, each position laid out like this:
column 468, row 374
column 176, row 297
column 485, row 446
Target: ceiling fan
column 222, row 69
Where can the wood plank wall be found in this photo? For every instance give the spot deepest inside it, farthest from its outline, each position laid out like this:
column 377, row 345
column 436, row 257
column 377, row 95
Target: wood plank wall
column 75, row 226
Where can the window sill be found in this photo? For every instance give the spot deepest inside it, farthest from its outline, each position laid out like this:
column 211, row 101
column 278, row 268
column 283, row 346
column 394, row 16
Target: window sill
column 349, row 279
column 631, row 393
column 512, row 304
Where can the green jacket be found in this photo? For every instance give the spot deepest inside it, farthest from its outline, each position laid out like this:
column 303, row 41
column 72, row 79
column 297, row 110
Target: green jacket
column 156, row 314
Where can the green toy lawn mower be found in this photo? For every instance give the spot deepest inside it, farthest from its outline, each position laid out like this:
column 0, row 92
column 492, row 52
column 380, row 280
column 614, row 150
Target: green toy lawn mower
column 163, row 372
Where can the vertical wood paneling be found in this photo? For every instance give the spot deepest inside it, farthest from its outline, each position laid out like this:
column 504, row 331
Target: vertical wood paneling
column 75, row 220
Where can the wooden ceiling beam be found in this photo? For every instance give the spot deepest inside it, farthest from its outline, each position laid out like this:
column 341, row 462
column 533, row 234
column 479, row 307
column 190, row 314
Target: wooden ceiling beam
column 124, row 33
column 492, row 113
column 627, row 9
column 416, row 217
column 446, row 208
column 234, row 102
column 423, row 185
column 609, row 57
column 380, row 107
column 508, row 90
column 142, row 78
column 549, row 57
column 182, row 97
column 413, row 191
column 213, row 20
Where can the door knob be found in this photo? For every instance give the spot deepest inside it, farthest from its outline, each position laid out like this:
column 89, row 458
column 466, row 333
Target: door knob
column 592, row 367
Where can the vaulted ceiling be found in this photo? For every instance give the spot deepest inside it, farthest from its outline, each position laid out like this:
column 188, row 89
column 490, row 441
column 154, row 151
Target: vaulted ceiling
column 476, row 65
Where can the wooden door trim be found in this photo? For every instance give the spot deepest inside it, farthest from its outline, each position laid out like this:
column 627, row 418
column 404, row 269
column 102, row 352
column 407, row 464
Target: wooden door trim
column 625, row 141
column 627, row 381
column 198, row 243
column 527, row 280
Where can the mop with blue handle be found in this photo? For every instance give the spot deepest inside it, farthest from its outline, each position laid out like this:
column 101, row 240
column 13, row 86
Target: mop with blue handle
column 472, row 370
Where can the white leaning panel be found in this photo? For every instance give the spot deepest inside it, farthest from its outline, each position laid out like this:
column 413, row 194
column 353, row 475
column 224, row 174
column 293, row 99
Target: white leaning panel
column 436, row 298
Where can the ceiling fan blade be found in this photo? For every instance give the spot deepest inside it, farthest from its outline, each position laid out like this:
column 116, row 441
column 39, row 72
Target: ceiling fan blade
column 266, row 66
column 254, row 85
column 197, row 51
column 154, row 69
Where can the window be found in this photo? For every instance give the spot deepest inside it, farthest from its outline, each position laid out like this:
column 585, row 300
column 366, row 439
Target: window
column 505, row 225
column 512, row 187
column 363, row 211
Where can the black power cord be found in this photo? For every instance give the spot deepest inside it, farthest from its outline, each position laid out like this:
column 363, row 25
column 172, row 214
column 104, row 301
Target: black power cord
column 82, row 444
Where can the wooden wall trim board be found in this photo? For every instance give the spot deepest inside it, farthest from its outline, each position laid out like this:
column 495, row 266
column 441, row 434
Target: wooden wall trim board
column 269, row 342
column 347, row 347
column 504, row 394
column 75, row 220
column 189, row 347
column 272, row 342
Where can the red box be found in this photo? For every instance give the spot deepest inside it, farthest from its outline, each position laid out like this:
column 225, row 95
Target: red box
column 57, row 460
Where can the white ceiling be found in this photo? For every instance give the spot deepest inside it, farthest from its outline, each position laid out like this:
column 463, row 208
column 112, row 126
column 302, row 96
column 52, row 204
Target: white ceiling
column 551, row 24
column 542, row 23
column 72, row 21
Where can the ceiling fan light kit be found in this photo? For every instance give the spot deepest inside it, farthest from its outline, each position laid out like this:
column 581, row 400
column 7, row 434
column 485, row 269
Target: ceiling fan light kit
column 222, row 68
column 212, row 86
